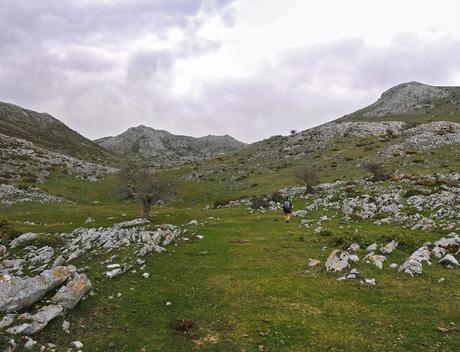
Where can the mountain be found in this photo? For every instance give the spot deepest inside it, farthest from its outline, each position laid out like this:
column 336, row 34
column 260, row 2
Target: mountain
column 158, row 145
column 44, row 130
column 413, row 101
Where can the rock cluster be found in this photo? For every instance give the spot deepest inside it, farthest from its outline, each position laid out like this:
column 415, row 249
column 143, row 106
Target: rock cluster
column 19, row 291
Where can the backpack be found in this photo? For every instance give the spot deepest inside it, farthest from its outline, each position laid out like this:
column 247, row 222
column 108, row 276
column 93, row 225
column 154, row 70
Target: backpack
column 287, row 206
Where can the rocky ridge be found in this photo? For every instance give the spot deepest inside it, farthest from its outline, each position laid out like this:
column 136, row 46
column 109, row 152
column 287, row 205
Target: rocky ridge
column 46, row 131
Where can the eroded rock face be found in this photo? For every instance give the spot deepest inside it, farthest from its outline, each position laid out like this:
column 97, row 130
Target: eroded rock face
column 337, row 261
column 17, row 293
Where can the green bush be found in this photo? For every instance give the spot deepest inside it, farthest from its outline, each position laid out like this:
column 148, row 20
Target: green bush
column 276, row 196
column 325, row 232
column 49, row 240
column 259, row 202
column 7, row 231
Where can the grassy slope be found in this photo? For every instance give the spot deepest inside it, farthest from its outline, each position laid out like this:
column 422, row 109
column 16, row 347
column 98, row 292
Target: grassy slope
column 248, row 275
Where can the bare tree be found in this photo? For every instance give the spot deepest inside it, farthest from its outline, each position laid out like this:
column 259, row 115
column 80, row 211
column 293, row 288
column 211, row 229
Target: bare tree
column 308, row 176
column 377, row 170
column 136, row 182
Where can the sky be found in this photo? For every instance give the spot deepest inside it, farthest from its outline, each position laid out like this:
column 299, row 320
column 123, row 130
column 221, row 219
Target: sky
column 247, row 68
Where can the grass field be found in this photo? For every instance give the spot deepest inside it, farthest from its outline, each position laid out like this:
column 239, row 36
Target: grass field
column 247, row 283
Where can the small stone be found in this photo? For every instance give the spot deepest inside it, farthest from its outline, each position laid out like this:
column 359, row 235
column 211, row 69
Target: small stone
column 441, row 280
column 76, row 344
column 30, row 344
column 372, row 247
column 146, row 275
column 354, row 247
column 394, row 266
column 313, row 262
column 193, row 223
column 168, row 304
column 66, row 326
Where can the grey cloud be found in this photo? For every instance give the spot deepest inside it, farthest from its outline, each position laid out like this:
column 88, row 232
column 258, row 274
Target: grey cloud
column 68, row 58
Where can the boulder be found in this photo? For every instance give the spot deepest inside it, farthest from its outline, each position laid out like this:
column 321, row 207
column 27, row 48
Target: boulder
column 17, row 293
column 449, row 259
column 38, row 321
column 372, row 247
column 113, row 273
column 68, row 296
column 337, row 261
column 354, row 247
column 313, row 262
column 23, row 238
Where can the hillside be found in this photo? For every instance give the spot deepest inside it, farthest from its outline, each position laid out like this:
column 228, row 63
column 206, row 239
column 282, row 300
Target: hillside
column 44, row 130
column 158, row 145
column 412, row 102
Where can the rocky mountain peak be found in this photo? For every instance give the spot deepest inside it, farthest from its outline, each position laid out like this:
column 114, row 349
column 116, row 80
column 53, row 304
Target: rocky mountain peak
column 159, row 145
column 413, row 98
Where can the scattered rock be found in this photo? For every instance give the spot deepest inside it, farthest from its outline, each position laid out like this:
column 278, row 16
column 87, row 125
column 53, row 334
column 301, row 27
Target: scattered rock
column 389, row 248
column 113, row 273
column 313, row 262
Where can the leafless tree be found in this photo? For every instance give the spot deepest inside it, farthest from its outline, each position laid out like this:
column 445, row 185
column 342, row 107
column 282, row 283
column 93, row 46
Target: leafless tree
column 308, row 176
column 377, row 170
column 136, row 182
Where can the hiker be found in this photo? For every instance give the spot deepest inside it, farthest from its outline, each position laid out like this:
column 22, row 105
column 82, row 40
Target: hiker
column 287, row 208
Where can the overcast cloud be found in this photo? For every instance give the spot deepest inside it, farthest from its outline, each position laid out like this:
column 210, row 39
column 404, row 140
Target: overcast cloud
column 248, row 68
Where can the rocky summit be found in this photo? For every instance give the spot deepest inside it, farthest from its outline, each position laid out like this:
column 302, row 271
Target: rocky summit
column 155, row 145
column 413, row 99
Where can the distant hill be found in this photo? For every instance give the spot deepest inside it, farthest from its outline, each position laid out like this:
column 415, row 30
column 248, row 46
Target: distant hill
column 412, row 102
column 46, row 131
column 156, row 145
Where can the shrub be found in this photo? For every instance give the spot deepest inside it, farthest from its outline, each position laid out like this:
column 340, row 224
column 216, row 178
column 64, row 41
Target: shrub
column 415, row 192
column 259, row 202
column 308, row 176
column 277, row 197
column 49, row 240
column 377, row 170
column 325, row 232
column 7, row 231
